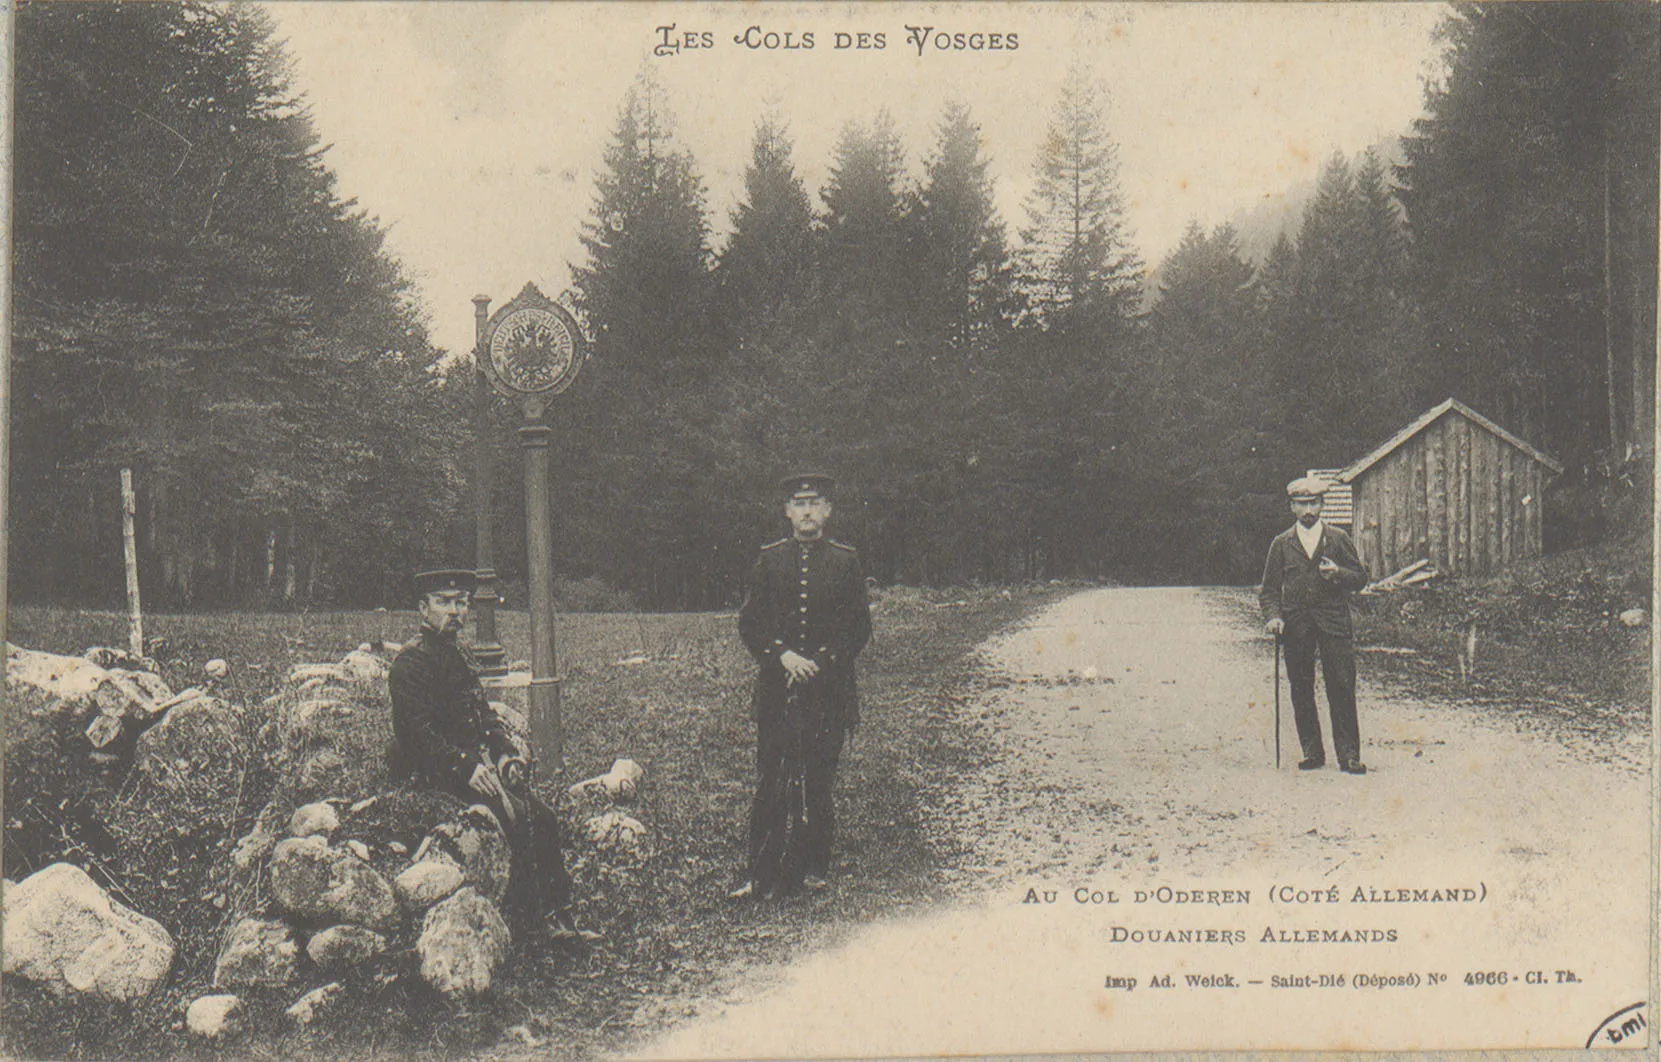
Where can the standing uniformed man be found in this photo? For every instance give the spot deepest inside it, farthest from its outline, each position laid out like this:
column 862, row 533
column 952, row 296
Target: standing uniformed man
column 1311, row 571
column 449, row 737
column 805, row 620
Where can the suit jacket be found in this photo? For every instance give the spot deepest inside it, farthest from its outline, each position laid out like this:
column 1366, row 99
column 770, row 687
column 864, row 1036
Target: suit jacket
column 1294, row 589
column 444, row 725
column 808, row 597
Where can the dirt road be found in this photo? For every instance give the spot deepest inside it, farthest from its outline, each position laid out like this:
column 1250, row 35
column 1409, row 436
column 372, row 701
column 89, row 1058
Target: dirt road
column 1132, row 827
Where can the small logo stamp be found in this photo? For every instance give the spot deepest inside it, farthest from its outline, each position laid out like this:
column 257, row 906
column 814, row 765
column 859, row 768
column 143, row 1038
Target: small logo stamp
column 1627, row 1027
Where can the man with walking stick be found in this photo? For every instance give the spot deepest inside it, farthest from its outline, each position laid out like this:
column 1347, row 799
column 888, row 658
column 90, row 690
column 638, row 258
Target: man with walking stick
column 1311, row 570
column 804, row 620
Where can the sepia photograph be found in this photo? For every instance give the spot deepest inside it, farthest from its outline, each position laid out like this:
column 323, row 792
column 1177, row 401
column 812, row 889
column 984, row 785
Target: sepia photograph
column 828, row 530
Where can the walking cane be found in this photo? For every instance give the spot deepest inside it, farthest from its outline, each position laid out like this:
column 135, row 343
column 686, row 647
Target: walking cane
column 1277, row 702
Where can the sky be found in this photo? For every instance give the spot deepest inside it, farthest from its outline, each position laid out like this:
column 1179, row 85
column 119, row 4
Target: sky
column 474, row 131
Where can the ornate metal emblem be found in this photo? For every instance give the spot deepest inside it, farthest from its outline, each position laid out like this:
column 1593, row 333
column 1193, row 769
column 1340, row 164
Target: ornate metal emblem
column 533, row 347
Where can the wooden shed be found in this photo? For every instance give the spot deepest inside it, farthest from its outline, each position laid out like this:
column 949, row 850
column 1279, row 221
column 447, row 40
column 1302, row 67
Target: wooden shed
column 1453, row 487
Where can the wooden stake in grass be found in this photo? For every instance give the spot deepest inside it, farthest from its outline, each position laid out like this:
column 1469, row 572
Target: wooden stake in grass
column 1467, row 653
column 135, row 613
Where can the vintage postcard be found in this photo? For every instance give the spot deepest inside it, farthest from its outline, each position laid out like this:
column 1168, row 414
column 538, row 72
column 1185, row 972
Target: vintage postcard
column 1064, row 316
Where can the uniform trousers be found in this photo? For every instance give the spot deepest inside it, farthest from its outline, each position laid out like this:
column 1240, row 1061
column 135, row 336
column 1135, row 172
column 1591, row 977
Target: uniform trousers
column 1304, row 641
column 538, row 883
column 793, row 817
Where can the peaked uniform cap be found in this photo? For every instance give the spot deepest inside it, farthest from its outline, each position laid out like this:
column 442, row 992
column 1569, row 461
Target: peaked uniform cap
column 807, row 484
column 1308, row 487
column 445, row 579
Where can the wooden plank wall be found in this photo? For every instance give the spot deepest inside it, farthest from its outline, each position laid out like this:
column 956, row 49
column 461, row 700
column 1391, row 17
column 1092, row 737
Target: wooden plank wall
column 1456, row 494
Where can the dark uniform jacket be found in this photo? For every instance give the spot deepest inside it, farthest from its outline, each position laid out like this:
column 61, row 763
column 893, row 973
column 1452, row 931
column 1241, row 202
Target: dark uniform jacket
column 444, row 725
column 1293, row 588
column 808, row 597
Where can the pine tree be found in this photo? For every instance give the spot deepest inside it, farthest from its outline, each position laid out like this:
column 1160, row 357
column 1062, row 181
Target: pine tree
column 647, row 294
column 1204, row 430
column 864, row 203
column 1077, row 266
column 866, row 361
column 1381, row 223
column 195, row 301
column 1341, row 328
column 770, row 398
column 766, row 271
column 1274, row 278
column 645, row 289
column 1530, row 192
column 961, row 275
column 1080, row 285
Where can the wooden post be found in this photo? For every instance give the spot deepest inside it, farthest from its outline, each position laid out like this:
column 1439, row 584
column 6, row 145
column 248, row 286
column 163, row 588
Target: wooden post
column 487, row 649
column 135, row 613
column 547, row 731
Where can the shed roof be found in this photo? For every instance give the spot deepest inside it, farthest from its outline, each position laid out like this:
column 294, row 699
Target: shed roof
column 1430, row 417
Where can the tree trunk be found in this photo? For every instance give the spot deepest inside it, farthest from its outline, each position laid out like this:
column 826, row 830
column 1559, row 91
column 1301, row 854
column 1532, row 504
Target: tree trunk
column 314, row 567
column 233, row 566
column 1609, row 318
column 270, row 558
column 289, row 575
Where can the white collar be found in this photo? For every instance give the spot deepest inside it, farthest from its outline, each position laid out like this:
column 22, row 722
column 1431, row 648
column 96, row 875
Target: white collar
column 1310, row 538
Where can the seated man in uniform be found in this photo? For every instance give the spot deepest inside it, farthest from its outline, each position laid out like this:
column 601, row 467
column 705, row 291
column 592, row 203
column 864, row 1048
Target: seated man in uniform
column 450, row 738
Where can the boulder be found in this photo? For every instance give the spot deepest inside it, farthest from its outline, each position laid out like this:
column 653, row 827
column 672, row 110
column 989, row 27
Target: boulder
column 66, row 716
column 359, row 849
column 1634, row 617
column 300, row 674
column 307, row 1008
column 79, row 684
column 253, row 847
column 615, row 831
column 362, row 667
column 64, row 932
column 187, row 769
column 328, row 758
column 316, row 720
column 322, row 771
column 399, row 818
column 257, row 953
column 343, row 948
column 620, row 783
column 316, row 818
column 107, row 656
column 301, row 869
column 214, row 1017
column 317, row 883
column 473, row 842
column 425, row 883
column 463, row 942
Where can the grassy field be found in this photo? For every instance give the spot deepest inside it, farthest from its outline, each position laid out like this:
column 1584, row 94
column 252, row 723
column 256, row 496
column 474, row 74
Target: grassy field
column 1550, row 647
column 680, row 707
